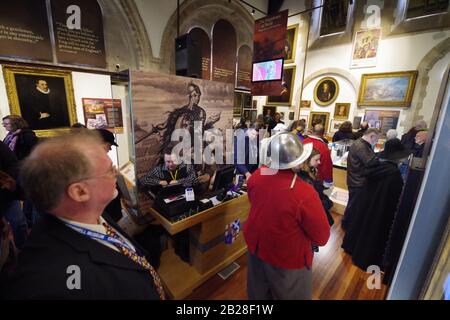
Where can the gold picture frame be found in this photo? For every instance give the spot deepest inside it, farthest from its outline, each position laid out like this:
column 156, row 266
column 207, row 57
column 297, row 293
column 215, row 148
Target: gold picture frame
column 324, row 116
column 286, row 89
column 291, row 44
column 341, row 110
column 326, row 91
column 393, row 89
column 48, row 112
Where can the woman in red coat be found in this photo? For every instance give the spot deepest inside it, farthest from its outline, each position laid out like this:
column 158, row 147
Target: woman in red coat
column 286, row 217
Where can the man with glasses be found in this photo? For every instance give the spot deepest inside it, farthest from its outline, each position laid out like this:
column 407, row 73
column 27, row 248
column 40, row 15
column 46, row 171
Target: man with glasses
column 73, row 252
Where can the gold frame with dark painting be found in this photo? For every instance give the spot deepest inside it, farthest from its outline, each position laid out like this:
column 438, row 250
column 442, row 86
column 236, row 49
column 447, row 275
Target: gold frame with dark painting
column 326, row 91
column 43, row 97
column 341, row 110
column 291, row 44
column 324, row 116
column 271, row 108
column 286, row 89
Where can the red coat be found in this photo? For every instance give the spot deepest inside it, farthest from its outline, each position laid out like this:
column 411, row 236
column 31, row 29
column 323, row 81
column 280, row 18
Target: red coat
column 284, row 222
column 325, row 169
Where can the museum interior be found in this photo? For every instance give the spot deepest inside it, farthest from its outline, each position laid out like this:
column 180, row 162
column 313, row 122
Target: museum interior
column 364, row 84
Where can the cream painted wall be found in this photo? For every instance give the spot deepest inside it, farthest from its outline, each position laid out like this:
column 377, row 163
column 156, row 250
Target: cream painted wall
column 400, row 53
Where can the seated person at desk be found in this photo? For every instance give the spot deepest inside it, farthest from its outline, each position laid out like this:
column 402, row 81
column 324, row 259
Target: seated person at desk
column 169, row 172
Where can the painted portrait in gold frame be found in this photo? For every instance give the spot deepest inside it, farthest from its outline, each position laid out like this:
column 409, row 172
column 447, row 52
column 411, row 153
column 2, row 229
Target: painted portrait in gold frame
column 291, row 44
column 286, row 89
column 394, row 89
column 326, row 91
column 43, row 97
column 324, row 118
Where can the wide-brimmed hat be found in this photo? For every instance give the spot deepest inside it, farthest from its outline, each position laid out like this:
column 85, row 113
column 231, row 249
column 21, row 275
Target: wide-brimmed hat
column 285, row 151
column 394, row 150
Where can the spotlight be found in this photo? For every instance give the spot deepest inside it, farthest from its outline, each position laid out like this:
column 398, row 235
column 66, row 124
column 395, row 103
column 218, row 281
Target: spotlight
column 253, row 11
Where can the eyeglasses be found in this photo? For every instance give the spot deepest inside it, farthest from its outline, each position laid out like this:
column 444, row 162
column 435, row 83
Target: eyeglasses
column 113, row 172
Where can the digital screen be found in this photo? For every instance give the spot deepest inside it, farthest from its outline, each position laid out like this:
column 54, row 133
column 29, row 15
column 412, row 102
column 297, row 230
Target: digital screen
column 267, row 70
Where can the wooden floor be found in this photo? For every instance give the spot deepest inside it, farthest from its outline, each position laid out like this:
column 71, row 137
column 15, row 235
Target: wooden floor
column 334, row 277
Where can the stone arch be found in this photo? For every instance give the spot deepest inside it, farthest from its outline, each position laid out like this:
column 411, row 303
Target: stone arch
column 204, row 14
column 330, row 71
column 126, row 39
column 424, row 67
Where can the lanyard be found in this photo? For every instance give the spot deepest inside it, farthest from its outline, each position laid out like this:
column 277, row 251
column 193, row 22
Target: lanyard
column 176, row 173
column 99, row 236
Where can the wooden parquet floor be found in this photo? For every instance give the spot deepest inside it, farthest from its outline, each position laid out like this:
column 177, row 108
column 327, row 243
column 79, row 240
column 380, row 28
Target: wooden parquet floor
column 334, row 277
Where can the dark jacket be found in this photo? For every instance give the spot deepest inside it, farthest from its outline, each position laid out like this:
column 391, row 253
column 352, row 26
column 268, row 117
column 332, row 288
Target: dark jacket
column 26, row 141
column 409, row 139
column 338, row 136
column 41, row 271
column 368, row 233
column 327, row 204
column 359, row 156
column 8, row 164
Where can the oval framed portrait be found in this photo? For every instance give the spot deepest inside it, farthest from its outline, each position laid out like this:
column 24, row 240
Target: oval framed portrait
column 326, row 91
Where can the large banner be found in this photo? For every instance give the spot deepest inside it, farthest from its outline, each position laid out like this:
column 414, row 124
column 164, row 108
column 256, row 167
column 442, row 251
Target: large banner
column 78, row 28
column 244, row 68
column 269, row 44
column 24, row 30
column 201, row 39
column 163, row 103
column 224, row 52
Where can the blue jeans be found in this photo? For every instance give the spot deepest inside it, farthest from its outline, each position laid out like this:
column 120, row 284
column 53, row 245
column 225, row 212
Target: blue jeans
column 14, row 215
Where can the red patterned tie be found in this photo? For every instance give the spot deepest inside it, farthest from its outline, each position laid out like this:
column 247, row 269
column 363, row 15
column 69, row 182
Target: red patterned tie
column 142, row 261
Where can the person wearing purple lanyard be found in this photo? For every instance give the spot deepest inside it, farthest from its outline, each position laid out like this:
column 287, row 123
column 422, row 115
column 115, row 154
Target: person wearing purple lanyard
column 73, row 251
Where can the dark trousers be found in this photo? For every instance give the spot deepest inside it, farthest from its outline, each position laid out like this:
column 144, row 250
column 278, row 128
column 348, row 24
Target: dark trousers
column 353, row 196
column 267, row 282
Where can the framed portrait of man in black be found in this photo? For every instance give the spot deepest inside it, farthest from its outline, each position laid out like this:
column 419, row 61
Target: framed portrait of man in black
column 43, row 97
column 326, row 91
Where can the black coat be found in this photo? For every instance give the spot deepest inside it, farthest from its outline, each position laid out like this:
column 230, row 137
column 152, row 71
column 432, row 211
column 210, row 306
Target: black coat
column 339, row 135
column 9, row 165
column 367, row 235
column 26, row 141
column 41, row 271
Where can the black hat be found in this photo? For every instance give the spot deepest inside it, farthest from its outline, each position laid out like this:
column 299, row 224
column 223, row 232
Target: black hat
column 394, row 150
column 107, row 136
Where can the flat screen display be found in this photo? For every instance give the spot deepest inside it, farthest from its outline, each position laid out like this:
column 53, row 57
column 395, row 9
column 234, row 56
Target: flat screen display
column 267, row 70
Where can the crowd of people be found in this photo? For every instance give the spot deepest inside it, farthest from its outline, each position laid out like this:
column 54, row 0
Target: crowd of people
column 59, row 209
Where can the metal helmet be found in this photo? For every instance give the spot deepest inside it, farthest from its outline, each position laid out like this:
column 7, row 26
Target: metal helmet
column 285, row 151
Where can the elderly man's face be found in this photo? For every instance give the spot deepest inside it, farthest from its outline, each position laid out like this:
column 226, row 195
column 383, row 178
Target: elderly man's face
column 170, row 161
column 42, row 84
column 102, row 183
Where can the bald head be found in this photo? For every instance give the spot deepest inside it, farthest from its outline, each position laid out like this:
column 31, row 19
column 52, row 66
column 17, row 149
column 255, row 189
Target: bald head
column 318, row 130
column 56, row 163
